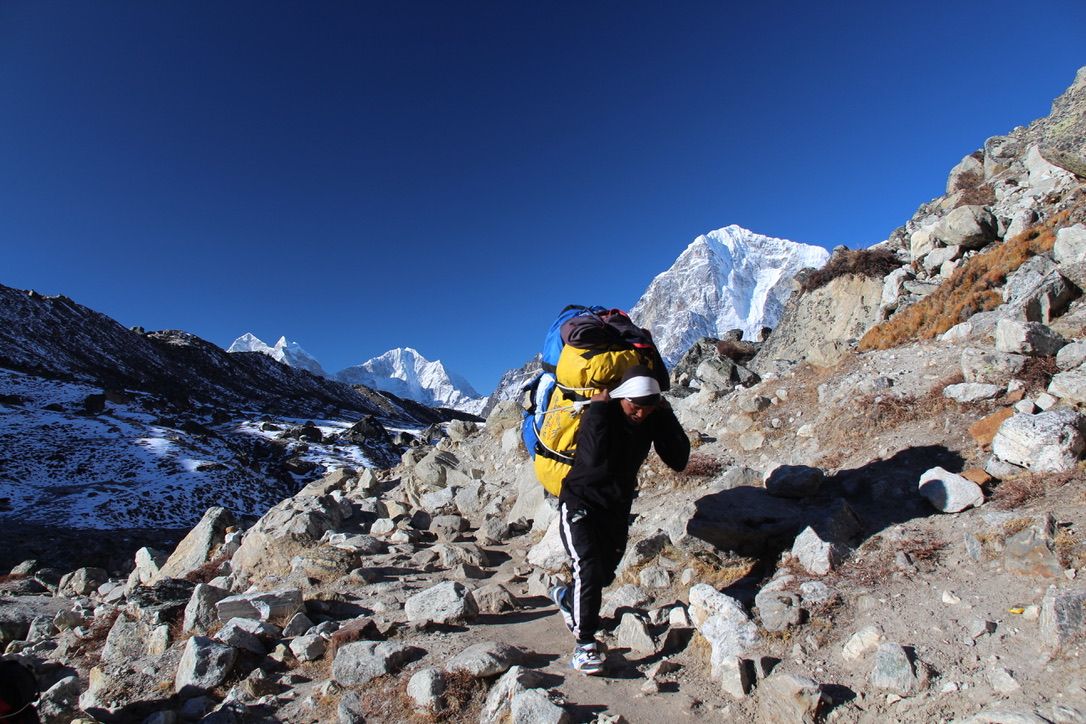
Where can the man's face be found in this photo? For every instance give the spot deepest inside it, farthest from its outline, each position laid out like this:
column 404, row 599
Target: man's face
column 636, row 413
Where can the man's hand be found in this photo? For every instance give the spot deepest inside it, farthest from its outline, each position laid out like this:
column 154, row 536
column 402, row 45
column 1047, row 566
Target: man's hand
column 603, row 396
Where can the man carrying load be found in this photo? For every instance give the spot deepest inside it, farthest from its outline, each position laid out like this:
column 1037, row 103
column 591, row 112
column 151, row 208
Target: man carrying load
column 615, row 434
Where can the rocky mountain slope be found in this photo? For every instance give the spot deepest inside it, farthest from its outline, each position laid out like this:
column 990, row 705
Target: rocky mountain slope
column 891, row 529
column 730, row 278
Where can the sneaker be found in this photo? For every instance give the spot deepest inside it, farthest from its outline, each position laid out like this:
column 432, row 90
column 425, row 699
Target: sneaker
column 587, row 659
column 558, row 595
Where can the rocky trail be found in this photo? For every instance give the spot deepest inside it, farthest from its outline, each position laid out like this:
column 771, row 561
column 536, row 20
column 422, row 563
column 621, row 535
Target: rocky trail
column 883, row 519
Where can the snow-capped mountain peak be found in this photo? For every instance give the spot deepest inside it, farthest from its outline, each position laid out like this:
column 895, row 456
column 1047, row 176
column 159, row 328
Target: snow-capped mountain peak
column 730, row 278
column 285, row 351
column 406, row 373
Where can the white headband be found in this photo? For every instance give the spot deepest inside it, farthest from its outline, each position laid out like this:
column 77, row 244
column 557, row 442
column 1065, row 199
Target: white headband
column 636, row 387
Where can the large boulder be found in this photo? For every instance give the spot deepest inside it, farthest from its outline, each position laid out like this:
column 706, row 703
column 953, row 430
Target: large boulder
column 1049, row 442
column 447, row 602
column 196, row 548
column 292, row 528
column 969, row 227
column 1064, row 139
column 820, row 326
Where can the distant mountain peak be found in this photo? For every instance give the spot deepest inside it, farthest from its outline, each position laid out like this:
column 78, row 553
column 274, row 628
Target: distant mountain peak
column 404, row 372
column 730, row 278
column 285, row 351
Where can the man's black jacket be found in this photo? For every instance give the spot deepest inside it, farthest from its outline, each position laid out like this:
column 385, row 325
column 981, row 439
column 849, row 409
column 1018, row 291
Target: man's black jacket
column 610, row 450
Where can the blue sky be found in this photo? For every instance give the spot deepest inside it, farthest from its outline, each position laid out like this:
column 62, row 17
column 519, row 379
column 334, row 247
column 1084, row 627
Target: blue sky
column 449, row 175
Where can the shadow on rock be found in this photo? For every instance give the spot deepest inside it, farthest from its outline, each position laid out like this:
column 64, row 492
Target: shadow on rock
column 843, row 509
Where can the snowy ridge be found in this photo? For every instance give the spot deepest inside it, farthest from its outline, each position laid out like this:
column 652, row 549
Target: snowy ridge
column 289, row 353
column 406, row 373
column 731, row 278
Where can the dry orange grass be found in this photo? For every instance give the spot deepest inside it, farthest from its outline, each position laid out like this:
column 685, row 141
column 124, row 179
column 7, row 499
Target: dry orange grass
column 972, row 288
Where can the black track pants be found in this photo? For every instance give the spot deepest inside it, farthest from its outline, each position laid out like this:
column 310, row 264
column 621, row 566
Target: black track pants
column 595, row 542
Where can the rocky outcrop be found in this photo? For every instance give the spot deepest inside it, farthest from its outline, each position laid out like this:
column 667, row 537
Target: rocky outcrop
column 822, row 326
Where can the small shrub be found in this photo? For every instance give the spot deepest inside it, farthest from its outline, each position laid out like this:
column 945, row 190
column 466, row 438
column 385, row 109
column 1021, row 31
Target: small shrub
column 863, row 262
column 1038, row 372
column 702, row 466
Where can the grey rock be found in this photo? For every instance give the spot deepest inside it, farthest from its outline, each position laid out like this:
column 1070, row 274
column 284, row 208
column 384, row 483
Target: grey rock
column 148, row 564
column 1069, row 386
column 1036, row 291
column 448, row 527
column 898, row 670
column 967, row 392
column 264, row 605
column 499, row 700
column 816, row 555
column 989, row 367
column 970, row 227
column 57, row 703
column 1071, row 356
column 494, row 598
column 1030, row 552
column 533, row 706
column 1015, row 336
column 195, row 549
column 204, row 664
column 1002, row 715
column 82, row 582
column 643, row 550
column 968, row 174
column 309, row 647
column 1002, row 680
column 1048, row 442
column 633, row 633
column 654, row 577
column 447, row 602
column 1063, row 616
column 625, row 597
column 1070, row 247
column 350, row 709
column 736, row 677
column 485, row 659
column 200, row 613
column 779, row 610
column 794, row 481
column 362, row 661
column 724, row 623
column 941, row 255
column 948, row 492
column 790, row 699
column 298, row 624
column 233, row 634
column 426, row 687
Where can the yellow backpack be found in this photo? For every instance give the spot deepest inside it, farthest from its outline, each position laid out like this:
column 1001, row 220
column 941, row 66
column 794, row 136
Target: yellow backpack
column 587, row 351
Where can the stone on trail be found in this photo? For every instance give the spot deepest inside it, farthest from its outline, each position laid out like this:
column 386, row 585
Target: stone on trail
column 817, row 556
column 1048, row 442
column 447, row 602
column 549, row 553
column 967, row 392
column 1063, row 616
column 533, row 706
column 736, row 677
column 625, row 597
column 633, row 633
column 790, row 699
column 1002, row 681
column 898, row 671
column 724, row 623
column 485, row 659
column 794, row 481
column 1000, row 715
column 990, row 367
column 779, row 610
column 861, row 643
column 1069, row 385
column 298, row 624
column 1031, row 551
column 948, row 492
column 82, row 581
column 235, row 635
column 362, row 661
column 204, row 664
column 426, row 687
column 1071, row 356
column 494, row 598
column 497, row 706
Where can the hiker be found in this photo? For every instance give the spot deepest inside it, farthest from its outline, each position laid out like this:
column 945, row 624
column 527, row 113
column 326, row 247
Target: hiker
column 18, row 692
column 613, row 441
